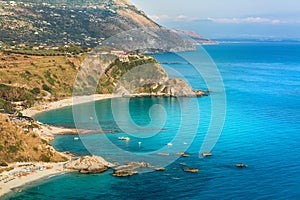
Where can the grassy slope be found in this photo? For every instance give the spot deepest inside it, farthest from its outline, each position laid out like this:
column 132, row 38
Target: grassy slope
column 18, row 145
column 56, row 72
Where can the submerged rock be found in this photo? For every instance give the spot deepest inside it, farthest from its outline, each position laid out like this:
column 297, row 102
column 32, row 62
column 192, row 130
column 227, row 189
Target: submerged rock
column 89, row 165
column 130, row 168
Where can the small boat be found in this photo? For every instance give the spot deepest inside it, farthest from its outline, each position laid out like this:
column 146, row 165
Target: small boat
column 179, row 153
column 206, row 154
column 76, row 138
column 169, row 144
column 193, row 170
column 160, row 169
column 241, row 165
column 185, row 155
column 163, row 154
column 124, row 138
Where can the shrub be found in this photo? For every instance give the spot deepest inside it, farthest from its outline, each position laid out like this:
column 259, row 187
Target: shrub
column 3, row 164
column 36, row 91
column 12, row 149
column 45, row 158
column 46, row 88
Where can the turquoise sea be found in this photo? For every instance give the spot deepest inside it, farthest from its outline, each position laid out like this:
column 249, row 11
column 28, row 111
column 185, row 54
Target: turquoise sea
column 261, row 129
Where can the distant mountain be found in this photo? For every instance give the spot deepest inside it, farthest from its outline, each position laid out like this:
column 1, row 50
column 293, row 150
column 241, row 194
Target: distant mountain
column 57, row 22
column 196, row 37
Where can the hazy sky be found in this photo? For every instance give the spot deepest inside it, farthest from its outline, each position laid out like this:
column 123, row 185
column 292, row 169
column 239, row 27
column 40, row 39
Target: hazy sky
column 228, row 18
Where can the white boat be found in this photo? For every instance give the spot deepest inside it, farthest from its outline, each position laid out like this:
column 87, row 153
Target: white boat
column 124, row 138
column 76, row 138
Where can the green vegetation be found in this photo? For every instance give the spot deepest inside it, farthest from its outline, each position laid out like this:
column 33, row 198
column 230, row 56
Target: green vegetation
column 67, row 22
column 45, row 158
column 116, row 70
column 3, row 164
column 12, row 149
column 61, row 51
column 9, row 94
column 34, row 75
column 17, row 146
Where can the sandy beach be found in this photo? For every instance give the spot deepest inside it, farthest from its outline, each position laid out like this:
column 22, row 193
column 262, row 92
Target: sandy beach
column 22, row 175
column 30, row 112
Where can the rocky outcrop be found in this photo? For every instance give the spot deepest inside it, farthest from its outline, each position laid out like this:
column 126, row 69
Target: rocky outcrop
column 130, row 168
column 152, row 80
column 89, row 165
column 176, row 87
column 129, row 75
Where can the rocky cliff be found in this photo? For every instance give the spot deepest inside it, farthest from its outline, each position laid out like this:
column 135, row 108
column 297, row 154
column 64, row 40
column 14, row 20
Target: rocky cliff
column 89, row 165
column 129, row 75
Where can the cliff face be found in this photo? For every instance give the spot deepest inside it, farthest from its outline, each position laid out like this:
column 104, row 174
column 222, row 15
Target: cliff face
column 128, row 75
column 18, row 144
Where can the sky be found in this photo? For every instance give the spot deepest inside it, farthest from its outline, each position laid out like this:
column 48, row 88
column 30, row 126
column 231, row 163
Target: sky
column 265, row 19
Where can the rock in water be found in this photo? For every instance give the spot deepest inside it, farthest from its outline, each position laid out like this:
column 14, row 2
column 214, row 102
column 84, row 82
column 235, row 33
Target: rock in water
column 177, row 87
column 130, row 168
column 89, row 165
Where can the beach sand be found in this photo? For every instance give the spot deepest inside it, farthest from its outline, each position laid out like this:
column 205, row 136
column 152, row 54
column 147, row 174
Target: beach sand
column 30, row 112
column 58, row 168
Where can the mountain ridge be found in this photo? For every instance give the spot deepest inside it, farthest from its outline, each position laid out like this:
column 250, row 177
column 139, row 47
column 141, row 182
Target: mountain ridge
column 68, row 22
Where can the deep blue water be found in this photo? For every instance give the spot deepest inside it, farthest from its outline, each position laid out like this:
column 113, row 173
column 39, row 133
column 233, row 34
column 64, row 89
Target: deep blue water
column 262, row 130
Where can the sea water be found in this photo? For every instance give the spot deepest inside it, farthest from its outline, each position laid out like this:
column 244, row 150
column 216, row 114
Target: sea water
column 261, row 129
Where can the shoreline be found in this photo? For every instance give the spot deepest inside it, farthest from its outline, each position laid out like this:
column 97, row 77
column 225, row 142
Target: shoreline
column 70, row 101
column 49, row 131
column 20, row 181
column 46, row 132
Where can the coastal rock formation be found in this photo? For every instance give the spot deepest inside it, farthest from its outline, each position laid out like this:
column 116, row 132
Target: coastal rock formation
column 130, row 168
column 152, row 80
column 178, row 88
column 89, row 165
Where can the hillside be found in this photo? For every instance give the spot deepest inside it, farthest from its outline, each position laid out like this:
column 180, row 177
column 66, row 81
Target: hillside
column 51, row 22
column 19, row 143
column 40, row 74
